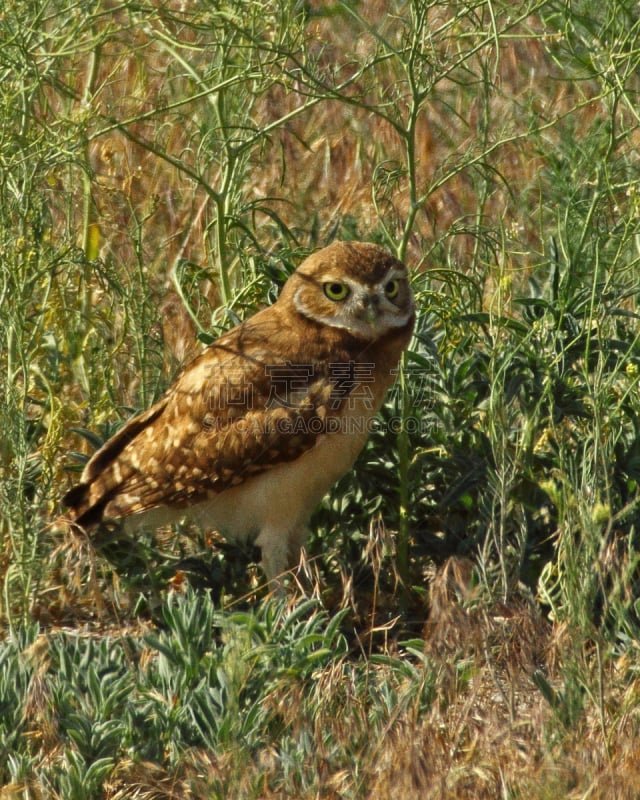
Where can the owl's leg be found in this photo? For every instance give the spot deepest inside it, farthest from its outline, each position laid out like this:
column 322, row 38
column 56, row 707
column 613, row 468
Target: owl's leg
column 280, row 551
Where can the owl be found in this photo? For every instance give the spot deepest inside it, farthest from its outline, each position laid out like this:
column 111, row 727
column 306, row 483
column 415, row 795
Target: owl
column 258, row 427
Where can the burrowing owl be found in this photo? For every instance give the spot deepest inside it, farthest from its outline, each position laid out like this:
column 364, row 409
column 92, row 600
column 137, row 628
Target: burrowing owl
column 259, row 426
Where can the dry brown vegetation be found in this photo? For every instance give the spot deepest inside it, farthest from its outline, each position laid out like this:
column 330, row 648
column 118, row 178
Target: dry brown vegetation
column 162, row 165
column 465, row 721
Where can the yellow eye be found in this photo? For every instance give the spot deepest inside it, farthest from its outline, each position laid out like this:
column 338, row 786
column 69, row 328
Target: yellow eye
column 392, row 288
column 335, row 290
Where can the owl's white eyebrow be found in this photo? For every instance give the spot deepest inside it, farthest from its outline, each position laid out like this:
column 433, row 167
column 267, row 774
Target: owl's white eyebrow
column 392, row 273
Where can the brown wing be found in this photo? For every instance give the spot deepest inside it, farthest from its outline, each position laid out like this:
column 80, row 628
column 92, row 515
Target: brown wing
column 235, row 411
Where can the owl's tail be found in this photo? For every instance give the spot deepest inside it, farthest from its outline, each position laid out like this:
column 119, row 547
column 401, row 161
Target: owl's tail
column 105, row 474
column 86, row 513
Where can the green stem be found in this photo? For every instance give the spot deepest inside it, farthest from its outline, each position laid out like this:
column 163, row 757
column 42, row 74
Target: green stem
column 402, row 548
column 87, row 204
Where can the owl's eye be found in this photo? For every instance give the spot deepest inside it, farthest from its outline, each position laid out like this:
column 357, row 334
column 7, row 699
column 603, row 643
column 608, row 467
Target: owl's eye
column 335, row 290
column 392, row 288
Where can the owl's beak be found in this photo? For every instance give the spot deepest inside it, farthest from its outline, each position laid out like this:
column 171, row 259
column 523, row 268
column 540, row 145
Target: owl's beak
column 371, row 315
column 369, row 309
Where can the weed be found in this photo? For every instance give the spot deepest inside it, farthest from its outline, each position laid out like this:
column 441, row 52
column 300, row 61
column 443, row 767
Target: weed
column 162, row 170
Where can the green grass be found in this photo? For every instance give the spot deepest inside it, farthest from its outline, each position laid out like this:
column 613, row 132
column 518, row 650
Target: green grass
column 469, row 621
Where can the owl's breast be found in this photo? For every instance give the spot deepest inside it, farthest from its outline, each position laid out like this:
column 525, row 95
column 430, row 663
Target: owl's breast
column 281, row 497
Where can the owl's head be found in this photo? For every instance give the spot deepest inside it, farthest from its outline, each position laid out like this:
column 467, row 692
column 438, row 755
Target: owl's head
column 354, row 286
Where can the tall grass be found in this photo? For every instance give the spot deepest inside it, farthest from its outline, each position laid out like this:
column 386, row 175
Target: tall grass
column 474, row 628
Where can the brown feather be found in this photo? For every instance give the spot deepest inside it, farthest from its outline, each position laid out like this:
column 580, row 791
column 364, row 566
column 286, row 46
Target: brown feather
column 272, row 391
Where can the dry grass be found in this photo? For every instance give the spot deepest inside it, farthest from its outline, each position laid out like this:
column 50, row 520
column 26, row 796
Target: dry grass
column 485, row 731
column 320, row 167
column 493, row 697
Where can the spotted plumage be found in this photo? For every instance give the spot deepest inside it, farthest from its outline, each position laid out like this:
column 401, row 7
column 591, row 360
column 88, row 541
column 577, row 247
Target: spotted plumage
column 259, row 426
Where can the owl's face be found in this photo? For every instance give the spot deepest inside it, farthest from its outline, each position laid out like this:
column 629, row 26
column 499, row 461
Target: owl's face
column 368, row 297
